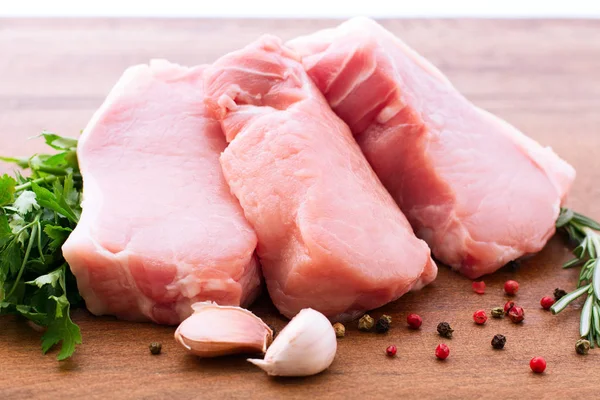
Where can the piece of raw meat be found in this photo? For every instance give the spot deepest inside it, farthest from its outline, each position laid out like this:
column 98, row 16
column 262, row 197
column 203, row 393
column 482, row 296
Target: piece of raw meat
column 329, row 235
column 477, row 190
column 160, row 229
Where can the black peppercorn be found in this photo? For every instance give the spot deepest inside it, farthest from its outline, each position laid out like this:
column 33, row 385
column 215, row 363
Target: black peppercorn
column 382, row 325
column 559, row 293
column 445, row 330
column 155, row 348
column 498, row 342
column 582, row 346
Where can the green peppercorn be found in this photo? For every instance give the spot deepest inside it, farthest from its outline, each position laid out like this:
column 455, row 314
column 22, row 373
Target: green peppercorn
column 498, row 312
column 382, row 325
column 498, row 342
column 340, row 330
column 582, row 346
column 366, row 323
column 155, row 348
column 445, row 330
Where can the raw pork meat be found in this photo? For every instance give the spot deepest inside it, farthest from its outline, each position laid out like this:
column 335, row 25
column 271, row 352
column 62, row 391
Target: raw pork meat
column 475, row 188
column 160, row 229
column 329, row 235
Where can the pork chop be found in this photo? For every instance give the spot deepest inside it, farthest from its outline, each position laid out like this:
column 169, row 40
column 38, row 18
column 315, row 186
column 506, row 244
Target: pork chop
column 160, row 229
column 476, row 189
column 330, row 237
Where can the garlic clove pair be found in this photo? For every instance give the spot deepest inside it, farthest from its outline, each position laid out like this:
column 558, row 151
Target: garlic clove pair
column 214, row 330
column 306, row 346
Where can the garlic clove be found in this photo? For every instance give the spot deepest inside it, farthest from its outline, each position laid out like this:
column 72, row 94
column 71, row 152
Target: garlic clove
column 214, row 330
column 306, row 346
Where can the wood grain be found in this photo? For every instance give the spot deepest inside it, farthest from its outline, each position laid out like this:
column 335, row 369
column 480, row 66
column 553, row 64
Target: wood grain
column 543, row 76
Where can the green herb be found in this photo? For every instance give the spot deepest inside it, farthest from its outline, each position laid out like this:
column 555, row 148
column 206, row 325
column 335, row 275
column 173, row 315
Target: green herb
column 584, row 232
column 37, row 214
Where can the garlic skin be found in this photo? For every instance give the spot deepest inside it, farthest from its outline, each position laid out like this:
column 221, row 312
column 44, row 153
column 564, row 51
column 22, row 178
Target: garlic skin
column 214, row 330
column 306, row 346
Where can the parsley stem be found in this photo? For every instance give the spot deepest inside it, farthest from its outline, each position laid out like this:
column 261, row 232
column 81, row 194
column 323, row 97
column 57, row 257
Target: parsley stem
column 27, row 185
column 32, row 238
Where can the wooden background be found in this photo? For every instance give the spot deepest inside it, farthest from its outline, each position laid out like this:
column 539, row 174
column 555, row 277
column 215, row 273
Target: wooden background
column 543, row 76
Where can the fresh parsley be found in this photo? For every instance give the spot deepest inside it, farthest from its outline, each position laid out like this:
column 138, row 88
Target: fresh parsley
column 37, row 214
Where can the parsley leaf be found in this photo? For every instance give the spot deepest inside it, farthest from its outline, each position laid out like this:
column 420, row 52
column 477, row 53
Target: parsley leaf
column 59, row 142
column 7, row 190
column 57, row 234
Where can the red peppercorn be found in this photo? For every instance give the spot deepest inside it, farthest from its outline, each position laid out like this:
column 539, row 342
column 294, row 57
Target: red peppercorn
column 390, row 351
column 442, row 351
column 479, row 287
column 508, row 306
column 516, row 314
column 547, row 302
column 414, row 321
column 537, row 364
column 480, row 317
column 511, row 287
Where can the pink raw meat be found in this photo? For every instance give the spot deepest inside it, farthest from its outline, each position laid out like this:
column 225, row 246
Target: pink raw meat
column 475, row 188
column 329, row 235
column 160, row 229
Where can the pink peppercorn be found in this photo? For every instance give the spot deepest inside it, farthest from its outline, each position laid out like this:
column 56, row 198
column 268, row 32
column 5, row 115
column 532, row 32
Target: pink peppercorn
column 511, row 287
column 516, row 314
column 537, row 364
column 479, row 287
column 547, row 302
column 442, row 351
column 390, row 351
column 480, row 317
column 414, row 321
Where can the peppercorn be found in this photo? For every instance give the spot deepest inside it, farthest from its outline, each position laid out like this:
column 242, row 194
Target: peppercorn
column 366, row 323
column 497, row 312
column 382, row 325
column 546, row 302
column 537, row 364
column 511, row 287
column 559, row 294
column 582, row 346
column 442, row 351
column 414, row 321
column 478, row 287
column 516, row 314
column 445, row 330
column 513, row 265
column 479, row 317
column 155, row 348
column 390, row 351
column 387, row 318
column 340, row 330
column 508, row 306
column 498, row 341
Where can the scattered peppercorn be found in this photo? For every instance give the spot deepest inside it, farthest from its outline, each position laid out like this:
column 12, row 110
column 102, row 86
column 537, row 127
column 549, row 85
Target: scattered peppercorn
column 546, row 302
column 340, row 330
column 442, row 351
column 414, row 321
column 511, row 287
column 155, row 348
column 559, row 294
column 390, row 351
column 480, row 317
column 497, row 312
column 508, row 306
column 382, row 325
column 366, row 323
column 513, row 265
column 387, row 318
column 479, row 287
column 516, row 314
column 537, row 364
column 582, row 346
column 498, row 342
column 445, row 330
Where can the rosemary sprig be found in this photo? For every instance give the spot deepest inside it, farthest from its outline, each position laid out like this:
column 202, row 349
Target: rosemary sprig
column 585, row 232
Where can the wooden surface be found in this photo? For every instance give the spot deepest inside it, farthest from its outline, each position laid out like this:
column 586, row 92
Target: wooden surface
column 543, row 76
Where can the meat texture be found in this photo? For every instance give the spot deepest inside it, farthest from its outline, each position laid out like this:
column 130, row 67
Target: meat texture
column 477, row 190
column 160, row 229
column 330, row 237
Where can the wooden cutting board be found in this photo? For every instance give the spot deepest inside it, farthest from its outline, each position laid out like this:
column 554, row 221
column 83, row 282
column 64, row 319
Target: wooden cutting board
column 543, row 76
